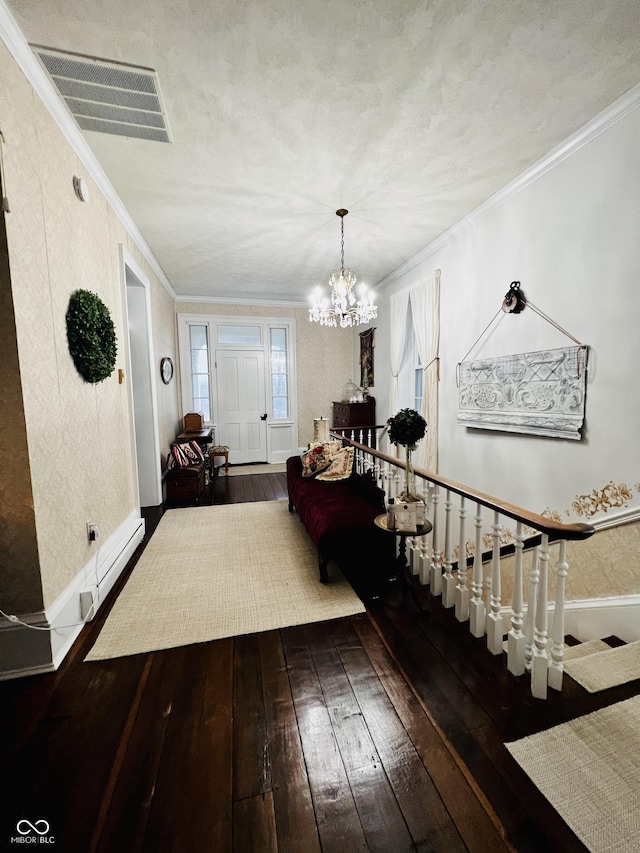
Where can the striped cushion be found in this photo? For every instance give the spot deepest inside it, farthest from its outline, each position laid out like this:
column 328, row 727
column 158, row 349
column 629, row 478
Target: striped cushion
column 180, row 457
column 192, row 451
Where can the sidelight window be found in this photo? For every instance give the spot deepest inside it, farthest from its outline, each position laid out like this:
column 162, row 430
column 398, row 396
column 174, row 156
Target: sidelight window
column 279, row 362
column 200, row 370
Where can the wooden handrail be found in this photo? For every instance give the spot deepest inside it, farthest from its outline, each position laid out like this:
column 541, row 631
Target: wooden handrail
column 554, row 529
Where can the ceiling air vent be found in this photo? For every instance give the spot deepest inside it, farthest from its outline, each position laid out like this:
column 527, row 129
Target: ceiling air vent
column 107, row 97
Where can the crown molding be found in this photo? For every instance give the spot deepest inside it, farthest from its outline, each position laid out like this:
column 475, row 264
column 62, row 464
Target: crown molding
column 588, row 132
column 238, row 300
column 19, row 48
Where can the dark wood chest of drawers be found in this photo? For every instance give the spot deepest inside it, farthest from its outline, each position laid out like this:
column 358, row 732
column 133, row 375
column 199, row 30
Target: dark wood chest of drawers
column 354, row 414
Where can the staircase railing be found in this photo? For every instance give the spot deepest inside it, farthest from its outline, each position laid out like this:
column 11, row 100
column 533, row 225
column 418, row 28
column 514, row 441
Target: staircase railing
column 461, row 560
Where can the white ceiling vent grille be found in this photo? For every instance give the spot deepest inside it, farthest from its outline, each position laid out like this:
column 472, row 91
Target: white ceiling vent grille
column 106, row 97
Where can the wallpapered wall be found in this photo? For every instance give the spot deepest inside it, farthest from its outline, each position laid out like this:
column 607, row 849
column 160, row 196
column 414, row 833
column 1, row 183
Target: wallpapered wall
column 79, row 435
column 324, row 358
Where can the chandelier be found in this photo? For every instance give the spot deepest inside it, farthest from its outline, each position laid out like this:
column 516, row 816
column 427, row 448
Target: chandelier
column 345, row 308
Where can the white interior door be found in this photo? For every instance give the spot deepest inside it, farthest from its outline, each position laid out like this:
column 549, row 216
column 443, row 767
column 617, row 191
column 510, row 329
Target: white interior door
column 242, row 423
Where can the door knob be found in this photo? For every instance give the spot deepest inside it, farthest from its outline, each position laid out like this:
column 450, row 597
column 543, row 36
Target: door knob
column 263, row 417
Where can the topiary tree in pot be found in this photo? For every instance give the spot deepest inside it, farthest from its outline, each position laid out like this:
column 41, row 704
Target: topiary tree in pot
column 406, row 428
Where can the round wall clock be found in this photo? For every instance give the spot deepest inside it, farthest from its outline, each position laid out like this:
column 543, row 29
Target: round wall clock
column 166, row 370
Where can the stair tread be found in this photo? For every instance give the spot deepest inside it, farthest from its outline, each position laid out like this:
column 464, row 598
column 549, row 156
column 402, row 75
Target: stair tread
column 584, row 649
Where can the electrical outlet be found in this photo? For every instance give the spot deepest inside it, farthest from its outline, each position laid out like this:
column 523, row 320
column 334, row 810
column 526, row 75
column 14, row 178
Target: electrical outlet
column 86, row 606
column 92, row 532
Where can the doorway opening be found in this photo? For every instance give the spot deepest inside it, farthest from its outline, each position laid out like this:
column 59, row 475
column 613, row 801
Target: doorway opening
column 142, row 390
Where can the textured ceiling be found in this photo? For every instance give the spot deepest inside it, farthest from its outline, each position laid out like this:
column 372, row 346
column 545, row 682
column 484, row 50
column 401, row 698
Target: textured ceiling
column 409, row 114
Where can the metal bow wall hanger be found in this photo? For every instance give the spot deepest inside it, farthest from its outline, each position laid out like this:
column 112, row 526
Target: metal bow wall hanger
column 515, row 302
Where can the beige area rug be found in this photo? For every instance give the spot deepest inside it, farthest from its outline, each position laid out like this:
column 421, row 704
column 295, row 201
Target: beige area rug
column 606, row 668
column 589, row 770
column 265, row 468
column 220, row 571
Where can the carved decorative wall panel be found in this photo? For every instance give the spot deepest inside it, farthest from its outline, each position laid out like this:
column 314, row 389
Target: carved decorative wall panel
column 541, row 393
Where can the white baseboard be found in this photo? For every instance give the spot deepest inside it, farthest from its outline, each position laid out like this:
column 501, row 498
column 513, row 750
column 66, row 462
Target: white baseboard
column 594, row 619
column 43, row 641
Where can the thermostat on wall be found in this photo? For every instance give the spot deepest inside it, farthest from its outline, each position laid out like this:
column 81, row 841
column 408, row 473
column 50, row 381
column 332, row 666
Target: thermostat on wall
column 81, row 188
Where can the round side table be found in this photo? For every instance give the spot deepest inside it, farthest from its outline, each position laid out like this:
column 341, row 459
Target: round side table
column 402, row 562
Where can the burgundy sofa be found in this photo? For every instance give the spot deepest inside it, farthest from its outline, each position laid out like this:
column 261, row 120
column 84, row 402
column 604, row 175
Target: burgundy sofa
column 339, row 518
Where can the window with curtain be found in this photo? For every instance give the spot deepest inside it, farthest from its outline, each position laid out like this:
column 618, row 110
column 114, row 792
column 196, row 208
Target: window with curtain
column 415, row 338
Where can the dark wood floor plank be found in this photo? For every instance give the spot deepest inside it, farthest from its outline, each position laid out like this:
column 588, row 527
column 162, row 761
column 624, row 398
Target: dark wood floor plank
column 467, row 727
column 429, row 822
column 380, row 815
column 336, row 816
column 125, row 822
column 293, row 805
column 267, row 487
column 254, row 825
column 191, row 809
column 472, row 821
column 61, row 774
column 257, row 487
column 251, row 772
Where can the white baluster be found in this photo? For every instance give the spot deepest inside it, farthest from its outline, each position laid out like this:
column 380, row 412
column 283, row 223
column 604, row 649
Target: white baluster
column 494, row 617
column 516, row 641
column 448, row 581
column 462, row 592
column 556, row 666
column 435, row 576
column 540, row 661
column 476, row 605
column 425, row 562
column 413, row 551
column 388, row 479
column 378, row 473
column 530, row 618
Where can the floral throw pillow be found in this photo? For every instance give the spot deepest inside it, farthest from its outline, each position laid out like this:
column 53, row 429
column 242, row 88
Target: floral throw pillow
column 340, row 467
column 314, row 460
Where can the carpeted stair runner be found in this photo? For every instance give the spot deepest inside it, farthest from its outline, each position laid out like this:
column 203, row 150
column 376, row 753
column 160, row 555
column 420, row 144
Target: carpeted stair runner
column 597, row 669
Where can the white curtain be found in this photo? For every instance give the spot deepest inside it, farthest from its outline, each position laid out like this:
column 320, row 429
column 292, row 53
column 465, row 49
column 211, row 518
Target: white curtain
column 425, row 313
column 399, row 304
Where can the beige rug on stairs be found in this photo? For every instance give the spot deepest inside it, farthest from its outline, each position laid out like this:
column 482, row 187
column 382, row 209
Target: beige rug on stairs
column 589, row 770
column 604, row 668
column 220, row 571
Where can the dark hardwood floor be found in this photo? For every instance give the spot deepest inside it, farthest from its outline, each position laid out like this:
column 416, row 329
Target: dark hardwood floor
column 382, row 732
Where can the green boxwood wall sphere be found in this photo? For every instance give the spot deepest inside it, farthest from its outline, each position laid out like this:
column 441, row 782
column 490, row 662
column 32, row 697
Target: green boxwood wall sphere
column 91, row 335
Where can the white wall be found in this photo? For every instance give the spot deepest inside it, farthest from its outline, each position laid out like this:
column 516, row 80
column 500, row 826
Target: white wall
column 571, row 236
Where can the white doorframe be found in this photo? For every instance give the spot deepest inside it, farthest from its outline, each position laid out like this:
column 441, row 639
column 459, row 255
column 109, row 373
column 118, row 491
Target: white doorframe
column 140, row 377
column 282, row 434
